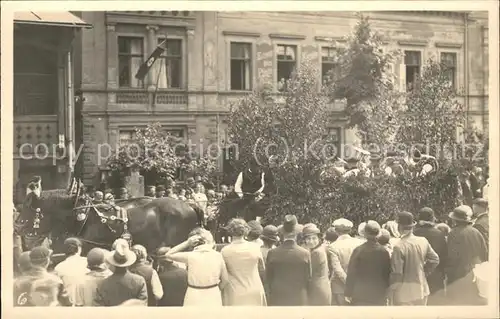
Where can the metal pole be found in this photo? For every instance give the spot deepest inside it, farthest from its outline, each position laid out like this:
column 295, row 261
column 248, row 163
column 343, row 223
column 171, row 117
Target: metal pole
column 71, row 114
column 218, row 150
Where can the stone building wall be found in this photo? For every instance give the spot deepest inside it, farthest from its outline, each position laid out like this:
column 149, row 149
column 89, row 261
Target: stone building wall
column 206, row 38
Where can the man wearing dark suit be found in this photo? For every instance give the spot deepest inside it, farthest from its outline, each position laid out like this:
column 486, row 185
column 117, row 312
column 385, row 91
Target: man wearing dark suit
column 368, row 272
column 173, row 280
column 437, row 240
column 122, row 285
column 288, row 269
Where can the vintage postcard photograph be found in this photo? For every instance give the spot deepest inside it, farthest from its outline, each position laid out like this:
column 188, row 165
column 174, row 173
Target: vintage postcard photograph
column 246, row 158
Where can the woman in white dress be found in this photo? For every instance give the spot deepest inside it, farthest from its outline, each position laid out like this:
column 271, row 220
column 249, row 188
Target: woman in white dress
column 207, row 274
column 243, row 260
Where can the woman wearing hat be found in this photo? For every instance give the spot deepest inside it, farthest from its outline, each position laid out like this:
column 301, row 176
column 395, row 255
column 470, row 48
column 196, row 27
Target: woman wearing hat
column 207, row 273
column 320, row 293
column 243, row 258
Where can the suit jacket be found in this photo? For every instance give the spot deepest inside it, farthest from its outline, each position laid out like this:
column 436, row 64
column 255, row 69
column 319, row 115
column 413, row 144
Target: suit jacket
column 437, row 240
column 120, row 287
column 368, row 274
column 340, row 254
column 174, row 282
column 466, row 248
column 288, row 274
column 482, row 224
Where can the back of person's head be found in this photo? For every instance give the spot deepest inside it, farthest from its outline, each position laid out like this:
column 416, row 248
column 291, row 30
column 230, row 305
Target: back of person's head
column 383, row 237
column 141, row 252
column 44, row 292
column 72, row 246
column 255, row 230
column 238, row 227
column 40, row 256
column 331, row 235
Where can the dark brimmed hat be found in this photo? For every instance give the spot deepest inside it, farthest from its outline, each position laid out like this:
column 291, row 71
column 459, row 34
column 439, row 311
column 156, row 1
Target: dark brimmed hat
column 406, row 219
column 462, row 213
column 270, row 232
column 426, row 214
column 160, row 188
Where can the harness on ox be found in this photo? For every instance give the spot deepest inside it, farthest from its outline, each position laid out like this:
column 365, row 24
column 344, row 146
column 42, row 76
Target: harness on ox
column 110, row 215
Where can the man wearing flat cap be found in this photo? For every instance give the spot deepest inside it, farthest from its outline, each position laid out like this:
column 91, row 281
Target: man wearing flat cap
column 413, row 259
column 466, row 249
column 340, row 253
column 437, row 239
column 288, row 269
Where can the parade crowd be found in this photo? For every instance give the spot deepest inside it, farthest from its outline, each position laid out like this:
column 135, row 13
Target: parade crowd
column 409, row 260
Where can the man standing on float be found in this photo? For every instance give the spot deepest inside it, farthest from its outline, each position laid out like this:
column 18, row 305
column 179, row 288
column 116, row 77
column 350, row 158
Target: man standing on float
column 249, row 186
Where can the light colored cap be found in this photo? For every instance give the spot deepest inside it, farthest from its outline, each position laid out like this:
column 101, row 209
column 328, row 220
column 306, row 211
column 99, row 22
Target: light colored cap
column 342, row 222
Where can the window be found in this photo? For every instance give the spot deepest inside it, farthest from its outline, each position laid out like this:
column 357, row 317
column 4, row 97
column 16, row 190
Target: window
column 449, row 61
column 287, row 61
column 412, row 68
column 240, row 66
column 130, row 58
column 170, row 65
column 327, row 62
column 127, row 137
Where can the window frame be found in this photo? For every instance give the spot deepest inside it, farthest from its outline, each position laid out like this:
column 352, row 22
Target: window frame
column 459, row 64
column 119, row 54
column 249, row 60
column 183, row 56
column 402, row 65
column 334, row 63
column 277, row 41
column 241, row 37
column 420, row 65
column 277, row 61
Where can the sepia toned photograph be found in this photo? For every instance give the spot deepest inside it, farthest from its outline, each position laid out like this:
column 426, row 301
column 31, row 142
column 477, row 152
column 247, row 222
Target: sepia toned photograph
column 250, row 158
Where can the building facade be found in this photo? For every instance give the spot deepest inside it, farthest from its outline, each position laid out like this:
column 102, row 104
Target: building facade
column 215, row 58
column 43, row 97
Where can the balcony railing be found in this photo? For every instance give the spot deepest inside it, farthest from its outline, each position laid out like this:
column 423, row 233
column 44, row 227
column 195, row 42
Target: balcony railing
column 132, row 97
column 140, row 96
column 35, row 130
